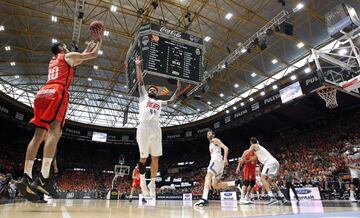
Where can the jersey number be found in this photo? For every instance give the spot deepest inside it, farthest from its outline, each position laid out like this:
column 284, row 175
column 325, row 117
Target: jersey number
column 152, row 111
column 53, row 73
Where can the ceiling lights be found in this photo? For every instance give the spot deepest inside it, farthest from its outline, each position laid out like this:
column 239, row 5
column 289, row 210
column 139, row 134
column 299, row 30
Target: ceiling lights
column 207, row 38
column 228, row 16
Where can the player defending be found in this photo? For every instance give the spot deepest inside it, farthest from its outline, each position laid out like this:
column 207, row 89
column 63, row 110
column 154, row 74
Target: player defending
column 249, row 176
column 270, row 169
column 50, row 106
column 215, row 169
column 135, row 182
column 352, row 160
column 148, row 134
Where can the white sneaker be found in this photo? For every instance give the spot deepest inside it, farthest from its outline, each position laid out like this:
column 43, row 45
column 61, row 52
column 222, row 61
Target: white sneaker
column 152, row 188
column 244, row 201
column 144, row 189
column 249, row 200
column 352, row 199
column 272, row 201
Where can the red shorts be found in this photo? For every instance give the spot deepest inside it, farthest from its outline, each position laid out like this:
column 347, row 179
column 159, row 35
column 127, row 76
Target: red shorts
column 51, row 103
column 249, row 173
column 136, row 183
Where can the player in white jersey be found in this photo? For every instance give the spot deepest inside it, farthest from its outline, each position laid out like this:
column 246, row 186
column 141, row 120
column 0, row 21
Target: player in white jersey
column 148, row 134
column 270, row 169
column 215, row 168
column 352, row 160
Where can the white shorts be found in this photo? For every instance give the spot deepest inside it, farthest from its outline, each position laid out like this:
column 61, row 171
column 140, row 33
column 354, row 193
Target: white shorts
column 271, row 168
column 354, row 173
column 216, row 167
column 149, row 139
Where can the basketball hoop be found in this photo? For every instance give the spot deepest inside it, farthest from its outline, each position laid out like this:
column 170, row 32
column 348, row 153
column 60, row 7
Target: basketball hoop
column 328, row 94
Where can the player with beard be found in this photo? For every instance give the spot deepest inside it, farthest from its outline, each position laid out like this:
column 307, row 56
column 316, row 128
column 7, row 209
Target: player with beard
column 50, row 106
column 352, row 161
column 215, row 169
column 148, row 134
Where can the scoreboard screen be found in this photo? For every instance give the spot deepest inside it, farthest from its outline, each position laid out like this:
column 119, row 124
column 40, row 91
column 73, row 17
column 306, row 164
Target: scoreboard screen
column 166, row 56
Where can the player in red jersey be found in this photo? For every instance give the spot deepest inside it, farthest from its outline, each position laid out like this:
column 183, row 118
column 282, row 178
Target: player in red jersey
column 249, row 176
column 50, row 106
column 135, row 182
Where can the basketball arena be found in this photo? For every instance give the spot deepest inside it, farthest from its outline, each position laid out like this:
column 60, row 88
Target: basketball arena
column 180, row 108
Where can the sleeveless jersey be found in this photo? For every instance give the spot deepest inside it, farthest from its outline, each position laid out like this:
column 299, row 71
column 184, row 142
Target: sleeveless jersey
column 354, row 157
column 215, row 151
column 149, row 109
column 136, row 174
column 59, row 72
column 262, row 154
column 251, row 164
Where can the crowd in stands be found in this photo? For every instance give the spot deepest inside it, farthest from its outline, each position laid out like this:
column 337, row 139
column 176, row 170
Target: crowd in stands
column 312, row 155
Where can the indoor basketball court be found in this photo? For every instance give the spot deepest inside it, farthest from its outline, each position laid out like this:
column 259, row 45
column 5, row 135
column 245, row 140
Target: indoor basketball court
column 180, row 108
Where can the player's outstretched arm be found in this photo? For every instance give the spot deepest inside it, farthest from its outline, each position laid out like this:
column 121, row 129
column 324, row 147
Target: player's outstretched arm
column 174, row 96
column 76, row 58
column 138, row 69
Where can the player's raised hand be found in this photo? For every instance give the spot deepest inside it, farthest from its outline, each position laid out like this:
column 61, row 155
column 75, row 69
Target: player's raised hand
column 138, row 61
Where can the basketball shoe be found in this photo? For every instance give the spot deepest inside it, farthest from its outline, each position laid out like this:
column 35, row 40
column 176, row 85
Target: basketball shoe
column 201, row 203
column 45, row 186
column 25, row 189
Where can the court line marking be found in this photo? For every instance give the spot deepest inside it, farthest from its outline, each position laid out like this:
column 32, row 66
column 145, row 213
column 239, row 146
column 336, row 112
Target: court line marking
column 64, row 212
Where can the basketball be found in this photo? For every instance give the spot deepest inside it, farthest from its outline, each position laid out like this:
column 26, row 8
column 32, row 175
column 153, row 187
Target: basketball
column 97, row 29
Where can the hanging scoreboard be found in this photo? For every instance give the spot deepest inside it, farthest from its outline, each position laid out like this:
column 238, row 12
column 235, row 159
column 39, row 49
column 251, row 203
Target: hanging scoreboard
column 166, row 54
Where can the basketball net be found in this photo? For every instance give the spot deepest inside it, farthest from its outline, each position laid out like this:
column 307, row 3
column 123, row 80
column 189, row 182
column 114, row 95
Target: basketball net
column 328, row 94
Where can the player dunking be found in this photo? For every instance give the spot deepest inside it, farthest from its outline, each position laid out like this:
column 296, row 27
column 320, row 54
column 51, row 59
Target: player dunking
column 215, row 168
column 270, row 169
column 135, row 182
column 249, row 176
column 50, row 106
column 148, row 134
column 352, row 160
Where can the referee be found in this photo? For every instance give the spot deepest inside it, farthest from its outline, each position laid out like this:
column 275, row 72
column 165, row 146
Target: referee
column 288, row 178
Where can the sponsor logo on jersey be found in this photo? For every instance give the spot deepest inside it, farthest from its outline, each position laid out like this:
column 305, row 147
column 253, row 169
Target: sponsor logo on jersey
column 153, row 105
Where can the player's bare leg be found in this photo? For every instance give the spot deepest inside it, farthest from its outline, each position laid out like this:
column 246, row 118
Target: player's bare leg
column 266, row 181
column 154, row 170
column 207, row 186
column 24, row 185
column 32, row 149
column 43, row 184
column 131, row 193
column 142, row 169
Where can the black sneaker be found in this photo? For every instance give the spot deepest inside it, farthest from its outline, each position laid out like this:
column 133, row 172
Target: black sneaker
column 45, row 186
column 130, row 200
column 25, row 189
column 201, row 203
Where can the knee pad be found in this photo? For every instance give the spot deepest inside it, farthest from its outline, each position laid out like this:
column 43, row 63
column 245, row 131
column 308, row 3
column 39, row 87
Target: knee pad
column 141, row 167
column 252, row 183
column 246, row 183
column 355, row 181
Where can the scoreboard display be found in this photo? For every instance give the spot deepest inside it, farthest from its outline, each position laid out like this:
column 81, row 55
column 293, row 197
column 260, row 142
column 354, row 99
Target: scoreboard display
column 166, row 54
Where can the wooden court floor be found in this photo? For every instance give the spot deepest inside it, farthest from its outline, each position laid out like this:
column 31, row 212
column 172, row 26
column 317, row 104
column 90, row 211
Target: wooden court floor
column 176, row 209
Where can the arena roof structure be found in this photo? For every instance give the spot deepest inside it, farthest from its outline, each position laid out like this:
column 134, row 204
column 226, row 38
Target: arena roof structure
column 99, row 90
